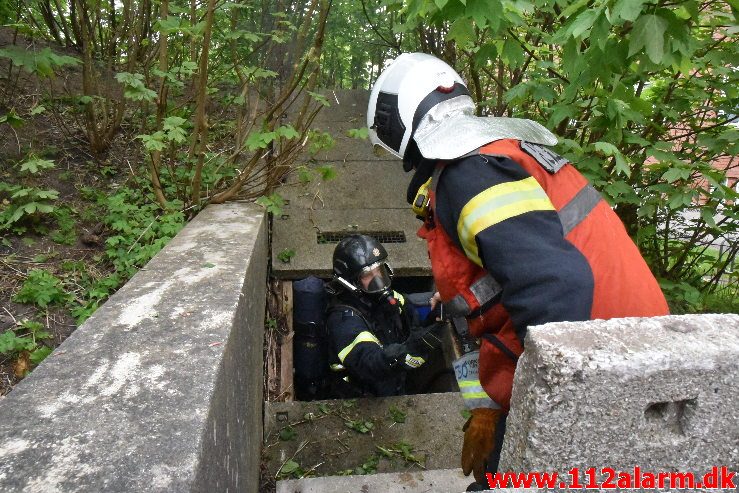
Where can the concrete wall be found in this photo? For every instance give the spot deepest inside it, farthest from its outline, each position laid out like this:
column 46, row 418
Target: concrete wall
column 659, row 393
column 156, row 391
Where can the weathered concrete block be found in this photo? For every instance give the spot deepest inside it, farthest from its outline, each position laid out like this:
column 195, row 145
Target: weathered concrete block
column 153, row 392
column 659, row 393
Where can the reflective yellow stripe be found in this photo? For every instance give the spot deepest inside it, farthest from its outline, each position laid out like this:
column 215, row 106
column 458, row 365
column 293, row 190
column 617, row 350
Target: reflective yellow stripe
column 362, row 337
column 472, row 389
column 495, row 205
column 399, row 297
column 474, row 395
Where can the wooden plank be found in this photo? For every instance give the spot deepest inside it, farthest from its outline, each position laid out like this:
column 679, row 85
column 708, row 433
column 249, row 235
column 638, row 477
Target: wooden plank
column 286, row 390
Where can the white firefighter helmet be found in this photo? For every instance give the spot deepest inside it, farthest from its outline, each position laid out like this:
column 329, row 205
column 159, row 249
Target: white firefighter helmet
column 422, row 98
column 398, row 93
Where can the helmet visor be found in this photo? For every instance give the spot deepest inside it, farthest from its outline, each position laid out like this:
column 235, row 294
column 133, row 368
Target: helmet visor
column 375, row 278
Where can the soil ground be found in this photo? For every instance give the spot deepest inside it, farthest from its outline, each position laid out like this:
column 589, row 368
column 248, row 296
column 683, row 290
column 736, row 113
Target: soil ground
column 78, row 176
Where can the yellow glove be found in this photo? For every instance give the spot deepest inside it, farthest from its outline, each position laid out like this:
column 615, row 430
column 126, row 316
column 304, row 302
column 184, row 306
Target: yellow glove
column 479, row 438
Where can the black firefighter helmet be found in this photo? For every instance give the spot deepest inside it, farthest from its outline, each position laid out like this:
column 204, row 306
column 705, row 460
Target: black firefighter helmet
column 360, row 266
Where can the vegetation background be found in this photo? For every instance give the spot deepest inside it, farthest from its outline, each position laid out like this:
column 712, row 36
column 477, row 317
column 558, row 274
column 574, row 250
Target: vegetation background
column 120, row 120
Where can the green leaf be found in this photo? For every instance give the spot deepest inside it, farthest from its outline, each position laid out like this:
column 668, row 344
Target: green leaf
column 273, row 203
column 327, row 172
column 320, row 98
column 288, row 433
column 360, row 425
column 168, row 25
column 259, row 140
column 153, row 142
column 627, row 10
column 513, row 53
column 676, row 173
column 187, row 68
column 606, row 148
column 462, row 32
column 304, row 174
column 173, row 122
column 649, row 33
column 485, row 54
column 10, row 343
column 173, row 126
column 707, row 216
column 134, row 87
column 561, row 112
column 12, row 119
column 39, row 354
column 622, row 191
column 583, row 22
column 34, row 164
column 572, row 8
column 358, row 133
column 485, row 12
column 289, row 467
column 397, row 415
column 287, row 132
column 41, row 288
column 286, row 255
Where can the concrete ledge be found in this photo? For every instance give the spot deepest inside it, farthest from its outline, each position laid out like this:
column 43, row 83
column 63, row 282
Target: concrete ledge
column 440, row 480
column 153, row 392
column 659, row 393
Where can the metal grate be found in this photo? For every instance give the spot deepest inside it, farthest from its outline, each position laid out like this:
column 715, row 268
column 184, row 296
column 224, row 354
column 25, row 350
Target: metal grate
column 381, row 236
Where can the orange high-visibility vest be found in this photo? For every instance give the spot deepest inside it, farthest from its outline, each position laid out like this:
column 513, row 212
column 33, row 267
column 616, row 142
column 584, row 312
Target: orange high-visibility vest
column 623, row 283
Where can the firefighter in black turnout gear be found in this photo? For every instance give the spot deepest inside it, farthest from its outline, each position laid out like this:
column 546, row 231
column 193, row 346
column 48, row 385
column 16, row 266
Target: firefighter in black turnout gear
column 375, row 337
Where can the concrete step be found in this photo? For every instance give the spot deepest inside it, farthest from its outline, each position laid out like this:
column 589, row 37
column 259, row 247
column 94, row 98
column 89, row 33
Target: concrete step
column 437, row 480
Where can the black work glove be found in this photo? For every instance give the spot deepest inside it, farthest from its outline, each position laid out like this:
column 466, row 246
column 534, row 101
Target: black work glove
column 414, row 351
column 403, row 355
column 425, row 339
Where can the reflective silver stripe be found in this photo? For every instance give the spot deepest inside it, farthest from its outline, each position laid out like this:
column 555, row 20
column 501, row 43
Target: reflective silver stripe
column 578, row 208
column 485, row 289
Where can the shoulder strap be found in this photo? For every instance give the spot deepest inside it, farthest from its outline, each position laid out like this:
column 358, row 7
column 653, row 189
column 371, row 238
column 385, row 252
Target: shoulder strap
column 436, row 174
column 354, row 309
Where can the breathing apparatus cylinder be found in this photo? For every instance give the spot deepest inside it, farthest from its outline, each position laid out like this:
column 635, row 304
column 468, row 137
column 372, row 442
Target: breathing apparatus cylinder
column 310, row 351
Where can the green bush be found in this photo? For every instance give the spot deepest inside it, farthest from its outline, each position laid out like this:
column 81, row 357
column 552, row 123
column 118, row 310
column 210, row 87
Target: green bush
column 42, row 288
